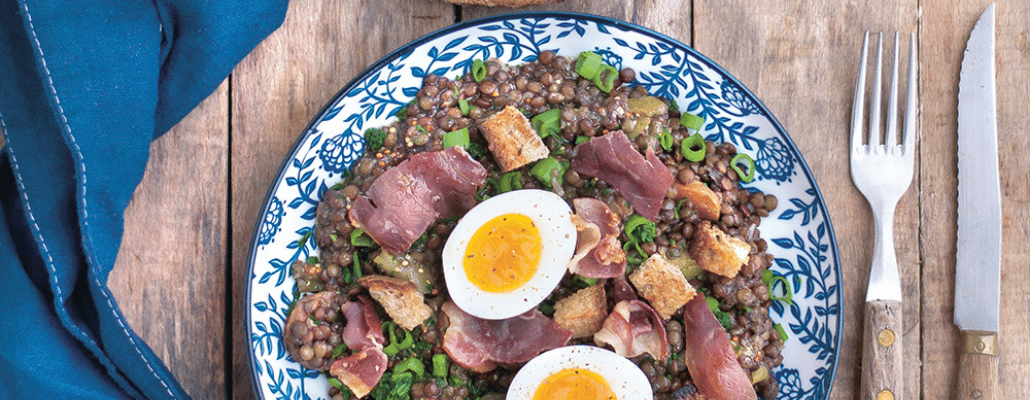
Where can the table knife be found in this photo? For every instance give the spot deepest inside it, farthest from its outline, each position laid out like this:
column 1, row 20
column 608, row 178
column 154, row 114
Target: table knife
column 978, row 251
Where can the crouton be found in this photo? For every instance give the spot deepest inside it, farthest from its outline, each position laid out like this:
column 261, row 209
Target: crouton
column 700, row 198
column 717, row 252
column 583, row 313
column 662, row 284
column 400, row 298
column 512, row 139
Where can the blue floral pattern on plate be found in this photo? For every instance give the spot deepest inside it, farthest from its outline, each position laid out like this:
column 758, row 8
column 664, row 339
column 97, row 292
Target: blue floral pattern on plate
column 799, row 231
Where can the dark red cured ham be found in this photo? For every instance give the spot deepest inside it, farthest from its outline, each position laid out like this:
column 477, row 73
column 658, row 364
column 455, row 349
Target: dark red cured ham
column 709, row 356
column 642, row 181
column 634, row 328
column 363, row 334
column 479, row 344
column 606, row 259
column 406, row 199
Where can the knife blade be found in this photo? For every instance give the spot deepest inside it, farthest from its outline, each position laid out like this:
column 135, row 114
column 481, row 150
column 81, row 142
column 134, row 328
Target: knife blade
column 978, row 250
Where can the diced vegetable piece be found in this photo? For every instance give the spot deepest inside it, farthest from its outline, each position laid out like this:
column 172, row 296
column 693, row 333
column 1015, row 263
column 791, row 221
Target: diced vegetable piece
column 510, row 181
column 549, row 171
column 459, row 137
column 547, row 123
column 691, row 121
column 440, row 366
column 605, row 78
column 412, row 364
column 693, row 147
column 588, row 64
column 463, row 105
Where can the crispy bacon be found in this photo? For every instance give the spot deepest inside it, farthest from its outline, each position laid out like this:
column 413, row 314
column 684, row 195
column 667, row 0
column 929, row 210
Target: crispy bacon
column 479, row 344
column 642, row 180
column 605, row 259
column 363, row 334
column 634, row 328
column 710, row 359
column 406, row 199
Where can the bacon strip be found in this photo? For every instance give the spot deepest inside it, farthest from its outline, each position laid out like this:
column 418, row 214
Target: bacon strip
column 478, row 344
column 634, row 328
column 605, row 259
column 363, row 369
column 709, row 357
column 406, row 199
column 642, row 181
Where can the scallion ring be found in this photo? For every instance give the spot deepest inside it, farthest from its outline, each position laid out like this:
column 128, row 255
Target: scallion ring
column 693, row 147
column 549, row 171
column 666, row 140
column 588, row 64
column 463, row 105
column 440, row 366
column 478, row 70
column 605, row 78
column 691, row 121
column 546, row 123
column 748, row 163
column 509, row 181
column 459, row 137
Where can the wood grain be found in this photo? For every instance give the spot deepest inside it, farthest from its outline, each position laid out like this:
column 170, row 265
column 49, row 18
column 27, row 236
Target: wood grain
column 280, row 87
column 882, row 351
column 170, row 275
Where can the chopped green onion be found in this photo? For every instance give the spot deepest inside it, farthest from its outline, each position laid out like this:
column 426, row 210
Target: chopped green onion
column 673, row 106
column 357, row 267
column 605, row 78
column 358, row 238
column 546, row 123
column 476, row 150
column 639, row 229
column 312, row 260
column 412, row 364
column 693, row 147
column 463, row 105
column 459, row 137
column 691, row 121
column 713, row 304
column 339, row 350
column 787, row 292
column 582, row 139
column 666, row 140
column 478, row 70
column 546, row 308
column 440, row 366
column 782, row 332
column 588, row 64
column 396, row 346
column 336, row 383
column 549, row 170
column 584, row 281
column 748, row 163
column 510, row 181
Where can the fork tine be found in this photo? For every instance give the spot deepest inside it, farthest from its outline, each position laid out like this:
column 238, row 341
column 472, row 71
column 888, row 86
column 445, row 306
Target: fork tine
column 891, row 139
column 874, row 106
column 910, row 106
column 858, row 107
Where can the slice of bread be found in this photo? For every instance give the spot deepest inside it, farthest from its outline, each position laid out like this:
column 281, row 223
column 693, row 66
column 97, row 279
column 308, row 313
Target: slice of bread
column 513, row 142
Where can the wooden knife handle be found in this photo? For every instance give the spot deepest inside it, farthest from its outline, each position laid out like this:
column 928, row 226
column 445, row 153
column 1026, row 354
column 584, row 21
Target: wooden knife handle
column 882, row 353
column 978, row 367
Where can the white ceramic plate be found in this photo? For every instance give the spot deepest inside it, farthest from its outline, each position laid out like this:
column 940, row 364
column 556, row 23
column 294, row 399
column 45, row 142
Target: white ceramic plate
column 798, row 231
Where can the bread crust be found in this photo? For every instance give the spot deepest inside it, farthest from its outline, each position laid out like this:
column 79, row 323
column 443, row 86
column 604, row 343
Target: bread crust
column 513, row 142
column 400, row 298
column 717, row 252
column 663, row 285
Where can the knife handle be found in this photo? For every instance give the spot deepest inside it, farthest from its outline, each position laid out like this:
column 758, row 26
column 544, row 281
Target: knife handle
column 882, row 375
column 978, row 367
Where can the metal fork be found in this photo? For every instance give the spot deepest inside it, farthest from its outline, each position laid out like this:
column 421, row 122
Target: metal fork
column 882, row 170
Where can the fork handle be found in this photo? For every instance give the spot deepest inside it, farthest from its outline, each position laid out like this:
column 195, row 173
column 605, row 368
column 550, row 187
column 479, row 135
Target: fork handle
column 882, row 373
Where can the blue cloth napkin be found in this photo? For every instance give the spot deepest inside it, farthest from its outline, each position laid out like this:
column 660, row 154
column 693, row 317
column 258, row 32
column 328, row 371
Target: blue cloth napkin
column 85, row 85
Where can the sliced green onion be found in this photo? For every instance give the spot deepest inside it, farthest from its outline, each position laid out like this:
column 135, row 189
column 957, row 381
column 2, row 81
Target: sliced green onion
column 782, row 332
column 459, row 137
column 440, row 366
column 693, row 147
column 411, row 364
column 463, row 105
column 510, row 181
column 588, row 64
column 478, row 70
column 339, row 350
column 639, row 229
column 357, row 268
column 605, row 78
column 336, row 383
column 546, row 124
column 548, row 170
column 582, row 139
column 713, row 304
column 691, row 121
column 787, row 292
column 747, row 162
column 546, row 308
column 396, row 346
column 584, row 281
column 666, row 140
column 358, row 238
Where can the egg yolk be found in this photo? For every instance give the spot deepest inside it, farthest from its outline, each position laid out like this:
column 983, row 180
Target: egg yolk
column 503, row 254
column 574, row 383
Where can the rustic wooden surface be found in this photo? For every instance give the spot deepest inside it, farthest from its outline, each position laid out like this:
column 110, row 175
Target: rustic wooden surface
column 182, row 267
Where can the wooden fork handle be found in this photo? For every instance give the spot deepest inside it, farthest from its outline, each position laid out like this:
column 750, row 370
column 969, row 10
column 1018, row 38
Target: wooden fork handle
column 882, row 373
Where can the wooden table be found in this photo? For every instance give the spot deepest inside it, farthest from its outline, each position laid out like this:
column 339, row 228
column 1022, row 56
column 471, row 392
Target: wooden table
column 182, row 267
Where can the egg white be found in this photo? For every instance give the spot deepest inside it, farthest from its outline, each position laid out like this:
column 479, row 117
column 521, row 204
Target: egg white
column 626, row 380
column 552, row 216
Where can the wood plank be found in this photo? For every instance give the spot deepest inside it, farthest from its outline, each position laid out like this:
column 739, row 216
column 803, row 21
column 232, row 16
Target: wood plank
column 801, row 59
column 944, row 31
column 169, row 278
column 280, row 87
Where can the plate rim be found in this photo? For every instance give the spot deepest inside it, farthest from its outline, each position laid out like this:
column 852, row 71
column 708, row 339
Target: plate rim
column 628, row 26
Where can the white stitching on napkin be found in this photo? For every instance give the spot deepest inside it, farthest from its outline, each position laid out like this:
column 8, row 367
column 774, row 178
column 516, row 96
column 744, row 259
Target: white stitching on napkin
column 82, row 198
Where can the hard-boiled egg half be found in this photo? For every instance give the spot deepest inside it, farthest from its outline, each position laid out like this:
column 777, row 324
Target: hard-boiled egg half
column 508, row 253
column 581, row 373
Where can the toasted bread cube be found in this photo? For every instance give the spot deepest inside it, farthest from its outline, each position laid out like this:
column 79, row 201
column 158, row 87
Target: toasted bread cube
column 512, row 139
column 662, row 284
column 717, row 252
column 400, row 298
column 583, row 313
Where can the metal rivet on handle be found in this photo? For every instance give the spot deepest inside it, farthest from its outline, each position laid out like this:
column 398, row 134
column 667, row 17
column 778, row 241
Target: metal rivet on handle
column 885, row 395
column 977, row 394
column 886, row 337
